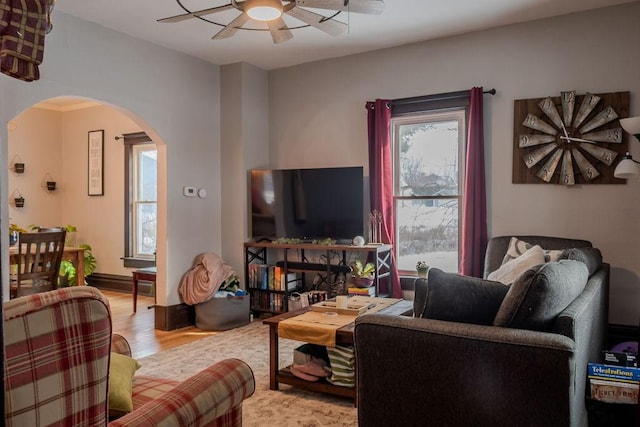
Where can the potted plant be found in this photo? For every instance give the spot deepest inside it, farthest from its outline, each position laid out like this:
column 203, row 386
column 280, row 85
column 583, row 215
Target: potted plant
column 70, row 239
column 14, row 230
column 363, row 274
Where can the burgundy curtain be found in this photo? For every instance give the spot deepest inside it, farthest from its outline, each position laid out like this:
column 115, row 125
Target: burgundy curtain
column 474, row 214
column 381, row 177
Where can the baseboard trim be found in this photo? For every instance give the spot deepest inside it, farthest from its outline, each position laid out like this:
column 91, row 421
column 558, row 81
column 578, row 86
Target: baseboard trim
column 117, row 283
column 165, row 318
column 174, row 317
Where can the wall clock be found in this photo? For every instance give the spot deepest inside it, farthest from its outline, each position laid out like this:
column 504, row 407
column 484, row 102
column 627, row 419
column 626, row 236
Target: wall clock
column 569, row 139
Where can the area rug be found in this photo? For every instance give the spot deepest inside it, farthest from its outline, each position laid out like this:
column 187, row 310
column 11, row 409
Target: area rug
column 288, row 406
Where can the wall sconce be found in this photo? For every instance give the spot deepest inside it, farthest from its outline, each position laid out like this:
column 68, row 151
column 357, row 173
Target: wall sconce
column 629, row 168
column 49, row 183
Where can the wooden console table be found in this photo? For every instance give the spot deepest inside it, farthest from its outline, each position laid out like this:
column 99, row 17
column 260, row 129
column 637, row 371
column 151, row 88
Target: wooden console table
column 344, row 336
column 146, row 274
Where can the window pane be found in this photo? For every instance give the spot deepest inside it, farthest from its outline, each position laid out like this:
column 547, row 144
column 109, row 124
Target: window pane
column 147, row 175
column 147, row 214
column 428, row 159
column 428, row 231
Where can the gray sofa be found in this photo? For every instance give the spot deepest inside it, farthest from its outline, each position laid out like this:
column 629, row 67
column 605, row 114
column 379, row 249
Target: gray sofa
column 455, row 368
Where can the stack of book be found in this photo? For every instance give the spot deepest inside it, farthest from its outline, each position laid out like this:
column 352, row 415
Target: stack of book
column 270, row 277
column 367, row 292
column 614, row 383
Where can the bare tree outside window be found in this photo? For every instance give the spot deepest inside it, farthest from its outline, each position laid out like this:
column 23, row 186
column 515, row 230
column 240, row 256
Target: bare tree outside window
column 145, row 200
column 428, row 188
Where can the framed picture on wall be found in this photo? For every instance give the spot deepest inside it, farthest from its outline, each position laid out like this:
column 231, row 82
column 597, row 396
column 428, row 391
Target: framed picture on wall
column 95, row 177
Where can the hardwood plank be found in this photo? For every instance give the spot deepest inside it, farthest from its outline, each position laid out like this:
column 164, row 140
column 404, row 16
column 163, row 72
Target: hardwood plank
column 139, row 329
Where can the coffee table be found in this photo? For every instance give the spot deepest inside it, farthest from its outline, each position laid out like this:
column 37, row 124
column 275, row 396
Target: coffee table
column 344, row 336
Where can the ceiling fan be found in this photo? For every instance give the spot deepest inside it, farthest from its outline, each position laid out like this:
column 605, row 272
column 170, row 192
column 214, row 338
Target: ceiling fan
column 270, row 12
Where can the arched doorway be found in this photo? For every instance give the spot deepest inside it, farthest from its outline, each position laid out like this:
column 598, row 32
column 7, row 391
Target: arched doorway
column 51, row 138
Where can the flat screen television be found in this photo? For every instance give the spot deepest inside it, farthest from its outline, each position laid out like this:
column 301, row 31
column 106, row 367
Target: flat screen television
column 307, row 204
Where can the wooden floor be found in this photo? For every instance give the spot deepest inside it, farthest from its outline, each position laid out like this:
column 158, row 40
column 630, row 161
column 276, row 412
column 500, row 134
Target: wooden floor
column 139, row 329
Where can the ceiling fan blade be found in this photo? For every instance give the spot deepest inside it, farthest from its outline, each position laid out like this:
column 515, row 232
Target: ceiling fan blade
column 232, row 27
column 357, row 6
column 329, row 26
column 203, row 12
column 278, row 35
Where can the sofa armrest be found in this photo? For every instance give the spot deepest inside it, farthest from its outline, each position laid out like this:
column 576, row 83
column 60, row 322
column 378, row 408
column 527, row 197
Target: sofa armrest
column 198, row 400
column 448, row 373
column 119, row 344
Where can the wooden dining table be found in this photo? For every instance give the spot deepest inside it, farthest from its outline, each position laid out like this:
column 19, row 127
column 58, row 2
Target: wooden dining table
column 73, row 254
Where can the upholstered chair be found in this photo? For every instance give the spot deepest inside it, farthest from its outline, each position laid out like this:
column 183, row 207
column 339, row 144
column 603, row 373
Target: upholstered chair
column 58, row 351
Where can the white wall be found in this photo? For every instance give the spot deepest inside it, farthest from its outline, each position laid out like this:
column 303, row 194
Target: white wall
column 39, row 147
column 317, row 118
column 99, row 219
column 173, row 97
column 56, row 142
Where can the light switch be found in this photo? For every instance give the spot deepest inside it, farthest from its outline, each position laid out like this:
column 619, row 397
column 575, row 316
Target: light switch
column 189, row 191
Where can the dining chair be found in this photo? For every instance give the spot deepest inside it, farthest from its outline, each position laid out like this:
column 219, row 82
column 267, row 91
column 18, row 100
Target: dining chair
column 38, row 262
column 45, row 229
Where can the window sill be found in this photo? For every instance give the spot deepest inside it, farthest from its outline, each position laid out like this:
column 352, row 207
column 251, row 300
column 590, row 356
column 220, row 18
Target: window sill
column 131, row 262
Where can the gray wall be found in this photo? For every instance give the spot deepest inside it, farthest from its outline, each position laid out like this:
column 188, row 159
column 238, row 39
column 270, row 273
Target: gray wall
column 173, row 97
column 317, row 118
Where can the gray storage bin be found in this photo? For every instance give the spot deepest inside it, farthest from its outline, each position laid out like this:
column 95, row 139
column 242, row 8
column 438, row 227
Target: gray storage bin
column 220, row 314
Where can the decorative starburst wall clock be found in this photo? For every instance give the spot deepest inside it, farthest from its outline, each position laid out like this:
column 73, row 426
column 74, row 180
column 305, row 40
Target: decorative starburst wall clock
column 569, row 139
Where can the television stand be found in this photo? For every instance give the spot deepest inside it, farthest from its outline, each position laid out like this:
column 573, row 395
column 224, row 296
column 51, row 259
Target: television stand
column 271, row 299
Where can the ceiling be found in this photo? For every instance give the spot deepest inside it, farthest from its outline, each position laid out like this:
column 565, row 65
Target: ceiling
column 402, row 22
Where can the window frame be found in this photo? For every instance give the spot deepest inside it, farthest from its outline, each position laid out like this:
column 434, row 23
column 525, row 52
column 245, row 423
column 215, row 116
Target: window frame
column 130, row 259
column 425, row 112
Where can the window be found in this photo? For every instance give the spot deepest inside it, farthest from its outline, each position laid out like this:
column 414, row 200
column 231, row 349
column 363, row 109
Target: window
column 145, row 203
column 141, row 189
column 428, row 151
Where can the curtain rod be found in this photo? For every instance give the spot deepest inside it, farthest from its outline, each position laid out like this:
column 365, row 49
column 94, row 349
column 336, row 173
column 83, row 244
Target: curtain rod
column 437, row 97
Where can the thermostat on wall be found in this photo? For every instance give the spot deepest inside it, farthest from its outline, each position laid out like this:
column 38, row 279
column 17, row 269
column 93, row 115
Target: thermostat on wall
column 189, row 191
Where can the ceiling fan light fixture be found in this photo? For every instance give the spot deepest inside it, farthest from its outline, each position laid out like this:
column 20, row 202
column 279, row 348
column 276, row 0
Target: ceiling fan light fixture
column 264, row 10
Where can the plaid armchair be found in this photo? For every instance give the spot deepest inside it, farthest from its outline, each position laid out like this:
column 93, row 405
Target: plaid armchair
column 57, row 351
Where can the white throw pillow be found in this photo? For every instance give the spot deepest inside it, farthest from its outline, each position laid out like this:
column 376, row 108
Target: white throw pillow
column 518, row 247
column 510, row 271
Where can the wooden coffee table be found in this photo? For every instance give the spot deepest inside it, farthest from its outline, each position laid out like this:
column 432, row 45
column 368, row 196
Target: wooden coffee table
column 344, row 336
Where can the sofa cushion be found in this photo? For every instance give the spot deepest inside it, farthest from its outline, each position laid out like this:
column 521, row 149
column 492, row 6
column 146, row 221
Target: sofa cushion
column 511, row 270
column 536, row 298
column 457, row 298
column 121, row 370
column 591, row 257
column 518, row 247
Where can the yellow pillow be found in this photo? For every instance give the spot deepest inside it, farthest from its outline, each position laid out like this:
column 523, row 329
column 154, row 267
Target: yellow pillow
column 121, row 370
